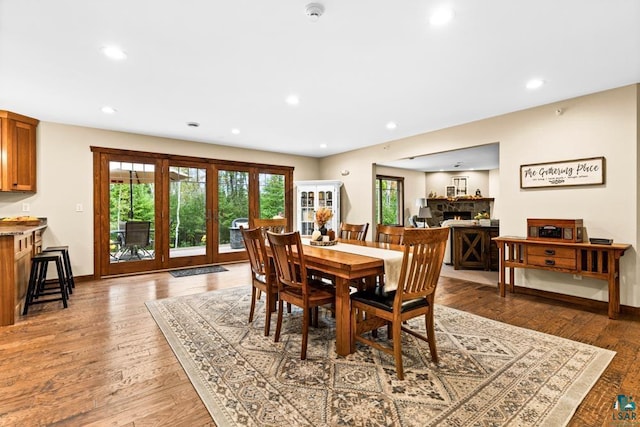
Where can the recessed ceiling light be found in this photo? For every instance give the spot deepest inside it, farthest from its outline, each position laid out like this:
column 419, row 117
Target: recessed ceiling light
column 535, row 83
column 235, row 131
column 108, row 110
column 323, row 145
column 193, row 124
column 441, row 16
column 114, row 52
column 392, row 125
column 293, row 100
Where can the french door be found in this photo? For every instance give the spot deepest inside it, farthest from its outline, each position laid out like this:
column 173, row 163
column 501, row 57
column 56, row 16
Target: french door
column 157, row 212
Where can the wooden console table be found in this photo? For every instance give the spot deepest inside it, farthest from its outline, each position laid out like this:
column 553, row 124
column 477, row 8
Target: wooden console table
column 589, row 260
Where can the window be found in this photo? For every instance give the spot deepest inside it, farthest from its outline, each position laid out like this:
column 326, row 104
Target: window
column 389, row 200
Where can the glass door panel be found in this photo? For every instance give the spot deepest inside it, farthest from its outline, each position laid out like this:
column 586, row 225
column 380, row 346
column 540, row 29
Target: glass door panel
column 272, row 195
column 187, row 211
column 233, row 209
column 131, row 212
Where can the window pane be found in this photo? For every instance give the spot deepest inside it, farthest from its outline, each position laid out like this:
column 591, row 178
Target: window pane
column 389, row 200
column 131, row 198
column 271, row 195
column 233, row 208
column 187, row 211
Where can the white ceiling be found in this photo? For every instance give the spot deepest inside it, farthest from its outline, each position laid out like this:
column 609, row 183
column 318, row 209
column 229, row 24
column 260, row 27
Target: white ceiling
column 231, row 64
column 481, row 158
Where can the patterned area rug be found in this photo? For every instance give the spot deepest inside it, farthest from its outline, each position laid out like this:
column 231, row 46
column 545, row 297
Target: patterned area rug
column 197, row 270
column 490, row 373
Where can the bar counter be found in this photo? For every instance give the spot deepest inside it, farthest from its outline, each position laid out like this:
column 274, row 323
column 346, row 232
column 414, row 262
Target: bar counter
column 18, row 243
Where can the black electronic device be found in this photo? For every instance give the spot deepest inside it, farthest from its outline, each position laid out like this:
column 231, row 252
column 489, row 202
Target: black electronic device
column 600, row 241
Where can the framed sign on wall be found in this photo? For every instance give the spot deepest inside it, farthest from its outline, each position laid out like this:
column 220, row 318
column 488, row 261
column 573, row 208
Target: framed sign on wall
column 590, row 171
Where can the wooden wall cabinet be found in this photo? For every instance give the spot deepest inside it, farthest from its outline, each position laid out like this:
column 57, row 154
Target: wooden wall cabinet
column 17, row 152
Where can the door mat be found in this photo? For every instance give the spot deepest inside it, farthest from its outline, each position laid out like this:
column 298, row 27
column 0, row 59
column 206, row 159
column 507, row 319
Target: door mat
column 197, row 270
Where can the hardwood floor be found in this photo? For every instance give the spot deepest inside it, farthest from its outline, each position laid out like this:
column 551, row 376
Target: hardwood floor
column 103, row 361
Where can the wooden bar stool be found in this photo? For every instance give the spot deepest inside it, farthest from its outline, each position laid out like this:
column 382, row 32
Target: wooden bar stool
column 37, row 279
column 68, row 274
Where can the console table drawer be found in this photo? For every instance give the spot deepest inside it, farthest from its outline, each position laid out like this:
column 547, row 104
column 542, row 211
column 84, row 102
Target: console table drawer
column 551, row 251
column 552, row 262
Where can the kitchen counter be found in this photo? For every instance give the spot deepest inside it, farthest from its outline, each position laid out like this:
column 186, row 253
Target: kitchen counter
column 18, row 244
column 21, row 230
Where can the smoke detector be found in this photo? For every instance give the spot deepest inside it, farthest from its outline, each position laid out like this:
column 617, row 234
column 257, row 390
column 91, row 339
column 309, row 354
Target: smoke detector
column 314, row 11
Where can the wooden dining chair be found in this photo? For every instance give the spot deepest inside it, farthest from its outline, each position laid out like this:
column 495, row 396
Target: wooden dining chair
column 262, row 273
column 389, row 234
column 353, row 231
column 275, row 225
column 294, row 285
column 371, row 309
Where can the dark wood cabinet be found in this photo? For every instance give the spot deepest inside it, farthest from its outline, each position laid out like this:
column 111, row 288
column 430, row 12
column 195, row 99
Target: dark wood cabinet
column 474, row 249
column 17, row 152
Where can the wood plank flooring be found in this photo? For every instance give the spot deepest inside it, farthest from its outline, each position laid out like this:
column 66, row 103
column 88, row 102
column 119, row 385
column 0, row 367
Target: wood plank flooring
column 103, row 361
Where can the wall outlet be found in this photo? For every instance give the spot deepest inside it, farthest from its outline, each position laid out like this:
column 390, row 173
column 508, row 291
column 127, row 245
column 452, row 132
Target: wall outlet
column 26, row 207
column 577, row 276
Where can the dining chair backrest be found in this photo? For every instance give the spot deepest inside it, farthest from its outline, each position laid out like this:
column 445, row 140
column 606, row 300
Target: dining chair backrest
column 291, row 270
column 137, row 233
column 353, row 231
column 275, row 225
column 389, row 234
column 256, row 249
column 421, row 263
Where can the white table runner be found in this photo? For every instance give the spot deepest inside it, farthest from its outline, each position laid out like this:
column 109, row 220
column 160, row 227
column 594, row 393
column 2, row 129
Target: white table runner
column 392, row 259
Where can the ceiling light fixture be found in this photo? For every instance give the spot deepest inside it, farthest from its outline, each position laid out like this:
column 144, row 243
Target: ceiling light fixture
column 193, row 124
column 314, row 11
column 235, row 131
column 392, row 125
column 114, row 52
column 441, row 17
column 323, row 145
column 535, row 84
column 108, row 110
column 293, row 100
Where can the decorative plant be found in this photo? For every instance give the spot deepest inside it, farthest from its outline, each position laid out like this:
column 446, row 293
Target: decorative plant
column 482, row 215
column 323, row 215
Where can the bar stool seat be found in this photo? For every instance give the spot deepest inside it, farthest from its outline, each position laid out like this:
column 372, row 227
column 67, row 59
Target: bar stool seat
column 68, row 274
column 37, row 280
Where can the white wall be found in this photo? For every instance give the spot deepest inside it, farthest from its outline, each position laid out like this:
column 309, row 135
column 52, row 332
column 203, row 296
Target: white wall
column 65, row 179
column 601, row 124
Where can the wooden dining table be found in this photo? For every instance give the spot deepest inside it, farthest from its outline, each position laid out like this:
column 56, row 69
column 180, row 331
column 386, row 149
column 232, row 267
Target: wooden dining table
column 345, row 267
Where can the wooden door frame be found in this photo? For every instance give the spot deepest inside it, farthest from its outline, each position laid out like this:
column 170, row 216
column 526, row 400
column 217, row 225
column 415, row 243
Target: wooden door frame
column 101, row 158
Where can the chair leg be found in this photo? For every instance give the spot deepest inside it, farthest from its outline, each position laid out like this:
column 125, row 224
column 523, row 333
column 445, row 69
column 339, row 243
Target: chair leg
column 267, row 320
column 279, row 323
column 431, row 335
column 397, row 349
column 253, row 303
column 305, row 333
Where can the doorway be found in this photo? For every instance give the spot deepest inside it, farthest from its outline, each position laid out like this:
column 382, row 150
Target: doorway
column 156, row 212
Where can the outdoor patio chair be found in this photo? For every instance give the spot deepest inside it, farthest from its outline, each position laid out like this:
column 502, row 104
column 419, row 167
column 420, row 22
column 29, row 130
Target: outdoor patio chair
column 136, row 240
